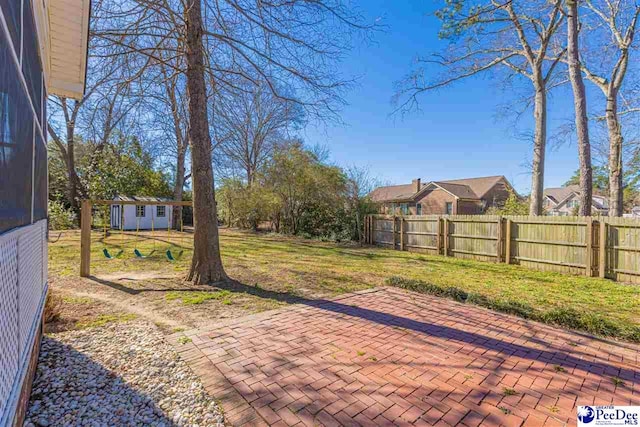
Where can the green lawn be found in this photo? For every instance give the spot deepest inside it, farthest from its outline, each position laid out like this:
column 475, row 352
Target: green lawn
column 314, row 269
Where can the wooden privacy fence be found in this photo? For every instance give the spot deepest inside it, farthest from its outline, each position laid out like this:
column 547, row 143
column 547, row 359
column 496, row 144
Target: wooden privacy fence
column 563, row 244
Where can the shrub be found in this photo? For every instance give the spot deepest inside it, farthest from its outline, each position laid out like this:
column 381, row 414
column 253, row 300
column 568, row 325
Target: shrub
column 456, row 294
column 60, row 218
column 587, row 322
column 52, row 308
column 516, row 308
column 632, row 334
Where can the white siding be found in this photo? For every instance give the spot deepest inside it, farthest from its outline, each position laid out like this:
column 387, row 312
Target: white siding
column 146, row 222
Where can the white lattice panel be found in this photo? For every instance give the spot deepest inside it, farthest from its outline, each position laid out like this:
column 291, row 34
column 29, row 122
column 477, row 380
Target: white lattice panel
column 45, row 252
column 23, row 269
column 30, row 280
column 9, row 338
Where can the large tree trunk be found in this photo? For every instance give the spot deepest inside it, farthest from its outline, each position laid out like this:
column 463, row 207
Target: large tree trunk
column 615, row 155
column 580, row 105
column 206, row 265
column 539, row 146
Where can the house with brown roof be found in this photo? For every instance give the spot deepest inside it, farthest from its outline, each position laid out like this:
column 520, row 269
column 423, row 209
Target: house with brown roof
column 470, row 196
column 564, row 201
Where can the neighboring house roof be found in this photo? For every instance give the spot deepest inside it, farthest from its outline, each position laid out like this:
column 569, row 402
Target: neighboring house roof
column 561, row 195
column 141, row 199
column 393, row 192
column 557, row 195
column 468, row 188
column 600, row 202
column 459, row 190
column 480, row 186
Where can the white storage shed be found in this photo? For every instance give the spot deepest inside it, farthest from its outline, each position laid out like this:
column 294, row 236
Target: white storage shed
column 143, row 216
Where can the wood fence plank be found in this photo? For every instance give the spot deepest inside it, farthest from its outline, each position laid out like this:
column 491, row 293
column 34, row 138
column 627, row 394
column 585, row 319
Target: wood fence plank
column 575, row 245
column 507, row 242
column 500, row 240
column 445, row 236
column 589, row 248
column 602, row 264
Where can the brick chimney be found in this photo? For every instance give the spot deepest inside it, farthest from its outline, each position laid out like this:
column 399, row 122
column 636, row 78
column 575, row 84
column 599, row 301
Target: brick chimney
column 416, row 185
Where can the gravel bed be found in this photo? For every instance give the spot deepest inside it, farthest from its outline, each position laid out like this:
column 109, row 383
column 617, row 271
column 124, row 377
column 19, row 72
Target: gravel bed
column 118, row 375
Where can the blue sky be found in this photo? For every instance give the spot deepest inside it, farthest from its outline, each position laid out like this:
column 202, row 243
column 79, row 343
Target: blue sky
column 459, row 132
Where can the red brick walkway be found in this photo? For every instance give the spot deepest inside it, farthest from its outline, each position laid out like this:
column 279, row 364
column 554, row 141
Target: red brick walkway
column 389, row 357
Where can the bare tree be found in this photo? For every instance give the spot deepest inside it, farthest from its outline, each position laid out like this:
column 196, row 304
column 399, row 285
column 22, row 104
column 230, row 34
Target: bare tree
column 517, row 38
column 206, row 265
column 292, row 44
column 608, row 72
column 66, row 147
column 102, row 103
column 580, row 105
column 169, row 103
column 360, row 184
column 108, row 103
column 249, row 124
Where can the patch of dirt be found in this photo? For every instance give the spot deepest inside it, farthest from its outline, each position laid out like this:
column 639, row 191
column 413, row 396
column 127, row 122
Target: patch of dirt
column 156, row 297
column 75, row 310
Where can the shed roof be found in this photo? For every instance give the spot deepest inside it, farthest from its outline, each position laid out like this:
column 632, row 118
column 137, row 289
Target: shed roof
column 142, row 199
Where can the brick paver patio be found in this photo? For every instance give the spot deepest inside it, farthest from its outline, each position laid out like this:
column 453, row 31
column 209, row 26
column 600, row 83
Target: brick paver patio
column 390, row 357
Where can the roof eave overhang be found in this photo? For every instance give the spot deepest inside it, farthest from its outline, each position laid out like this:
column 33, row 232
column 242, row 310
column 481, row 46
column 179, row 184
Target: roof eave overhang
column 66, row 47
column 397, row 200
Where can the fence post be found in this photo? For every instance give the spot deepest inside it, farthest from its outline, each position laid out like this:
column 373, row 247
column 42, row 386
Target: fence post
column 395, row 231
column 602, row 265
column 402, row 233
column 372, row 225
column 366, row 229
column 507, row 243
column 499, row 241
column 589, row 248
column 85, row 239
column 445, row 236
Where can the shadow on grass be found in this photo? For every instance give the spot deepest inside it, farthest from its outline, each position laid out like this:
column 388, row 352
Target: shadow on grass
column 137, row 291
column 486, row 341
column 551, row 355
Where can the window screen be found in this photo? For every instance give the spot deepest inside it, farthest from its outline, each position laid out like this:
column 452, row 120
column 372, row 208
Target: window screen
column 40, row 181
column 11, row 11
column 161, row 211
column 31, row 67
column 16, row 145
